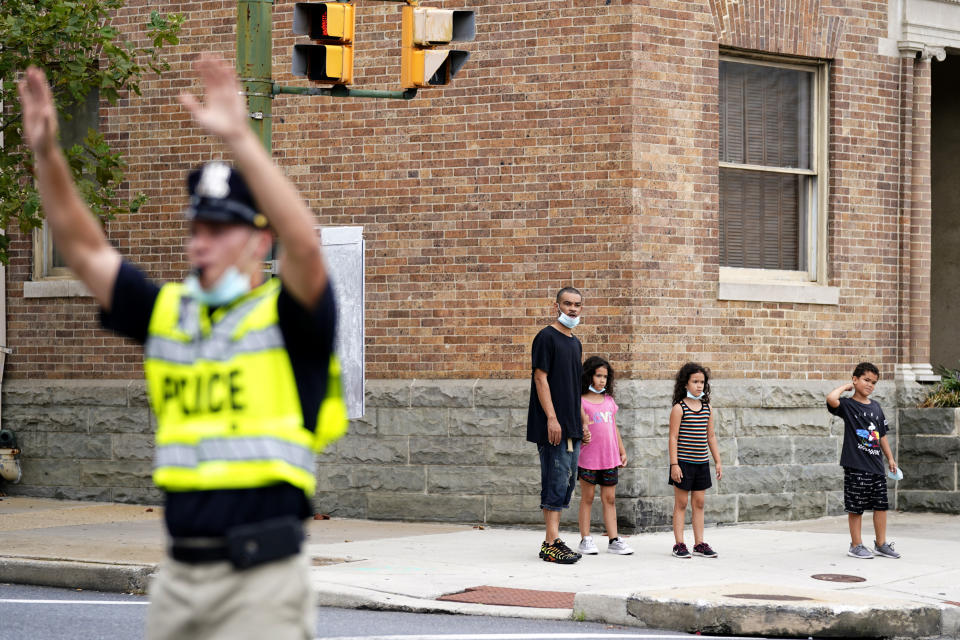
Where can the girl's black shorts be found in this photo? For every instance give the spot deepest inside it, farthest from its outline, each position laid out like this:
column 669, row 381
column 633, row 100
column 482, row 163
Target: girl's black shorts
column 602, row 477
column 696, row 476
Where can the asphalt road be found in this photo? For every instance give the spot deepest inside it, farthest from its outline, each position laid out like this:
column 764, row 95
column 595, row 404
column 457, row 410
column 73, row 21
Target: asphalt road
column 40, row 613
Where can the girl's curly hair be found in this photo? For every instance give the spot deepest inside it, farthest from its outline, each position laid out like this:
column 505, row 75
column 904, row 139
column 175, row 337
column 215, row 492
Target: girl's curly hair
column 589, row 368
column 683, row 376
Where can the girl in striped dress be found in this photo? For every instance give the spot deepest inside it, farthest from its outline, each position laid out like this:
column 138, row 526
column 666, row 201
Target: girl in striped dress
column 692, row 438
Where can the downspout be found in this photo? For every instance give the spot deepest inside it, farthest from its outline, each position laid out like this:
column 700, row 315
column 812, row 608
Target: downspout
column 908, row 54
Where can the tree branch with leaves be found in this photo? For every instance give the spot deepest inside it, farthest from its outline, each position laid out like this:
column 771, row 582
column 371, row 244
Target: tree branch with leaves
column 75, row 43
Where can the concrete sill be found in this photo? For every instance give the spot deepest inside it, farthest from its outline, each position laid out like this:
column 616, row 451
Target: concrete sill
column 794, row 292
column 55, row 289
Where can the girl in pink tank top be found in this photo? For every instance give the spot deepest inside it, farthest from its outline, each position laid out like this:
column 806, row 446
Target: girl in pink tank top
column 601, row 456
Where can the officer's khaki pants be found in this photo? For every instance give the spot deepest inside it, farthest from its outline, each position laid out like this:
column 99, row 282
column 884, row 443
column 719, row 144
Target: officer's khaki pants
column 214, row 601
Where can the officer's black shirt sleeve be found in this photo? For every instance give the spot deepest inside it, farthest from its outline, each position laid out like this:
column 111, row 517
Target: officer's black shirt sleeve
column 131, row 303
column 308, row 335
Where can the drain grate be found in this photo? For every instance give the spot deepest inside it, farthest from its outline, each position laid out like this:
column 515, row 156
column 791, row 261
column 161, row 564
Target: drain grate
column 837, row 577
column 765, row 596
column 513, row 597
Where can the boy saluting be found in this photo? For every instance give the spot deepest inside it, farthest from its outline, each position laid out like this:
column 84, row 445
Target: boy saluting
column 864, row 438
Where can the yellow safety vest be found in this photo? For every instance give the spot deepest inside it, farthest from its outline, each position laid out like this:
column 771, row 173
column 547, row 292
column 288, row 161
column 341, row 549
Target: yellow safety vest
column 223, row 390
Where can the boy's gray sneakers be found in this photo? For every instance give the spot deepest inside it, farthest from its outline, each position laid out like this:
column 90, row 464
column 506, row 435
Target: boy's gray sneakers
column 886, row 549
column 588, row 547
column 619, row 546
column 860, row 552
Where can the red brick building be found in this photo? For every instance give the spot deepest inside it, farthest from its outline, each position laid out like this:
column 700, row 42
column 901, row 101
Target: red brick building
column 745, row 183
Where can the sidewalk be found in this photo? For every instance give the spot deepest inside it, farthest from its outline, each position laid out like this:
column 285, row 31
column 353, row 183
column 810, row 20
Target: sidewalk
column 761, row 584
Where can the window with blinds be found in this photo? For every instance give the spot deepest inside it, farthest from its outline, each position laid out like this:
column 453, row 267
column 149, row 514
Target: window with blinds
column 768, row 172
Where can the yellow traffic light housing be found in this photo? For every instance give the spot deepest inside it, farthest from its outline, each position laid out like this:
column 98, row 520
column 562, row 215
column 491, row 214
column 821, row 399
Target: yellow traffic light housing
column 422, row 28
column 330, row 25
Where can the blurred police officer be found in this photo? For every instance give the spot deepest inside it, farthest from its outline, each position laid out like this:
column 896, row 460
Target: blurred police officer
column 240, row 371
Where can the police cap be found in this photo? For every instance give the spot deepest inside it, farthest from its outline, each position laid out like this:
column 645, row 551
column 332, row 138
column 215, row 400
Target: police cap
column 218, row 193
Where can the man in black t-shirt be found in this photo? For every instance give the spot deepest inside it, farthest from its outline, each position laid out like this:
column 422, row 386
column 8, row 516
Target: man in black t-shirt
column 239, row 370
column 864, row 439
column 553, row 419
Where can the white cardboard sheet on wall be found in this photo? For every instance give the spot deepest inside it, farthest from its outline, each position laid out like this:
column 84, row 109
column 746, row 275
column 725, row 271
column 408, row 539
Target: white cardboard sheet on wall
column 343, row 249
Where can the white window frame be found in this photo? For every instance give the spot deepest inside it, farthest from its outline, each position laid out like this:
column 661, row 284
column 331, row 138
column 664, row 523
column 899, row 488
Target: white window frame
column 808, row 285
column 48, row 280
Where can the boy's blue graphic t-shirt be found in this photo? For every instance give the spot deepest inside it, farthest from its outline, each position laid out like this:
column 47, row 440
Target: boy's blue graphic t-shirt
column 863, row 426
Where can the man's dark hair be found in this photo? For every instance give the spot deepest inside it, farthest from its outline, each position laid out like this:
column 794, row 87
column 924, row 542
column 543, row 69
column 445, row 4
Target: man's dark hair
column 865, row 367
column 568, row 290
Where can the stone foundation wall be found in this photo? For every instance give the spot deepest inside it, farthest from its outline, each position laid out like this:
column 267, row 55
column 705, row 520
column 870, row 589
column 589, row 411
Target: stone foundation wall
column 455, row 451
column 930, row 457
column 82, row 440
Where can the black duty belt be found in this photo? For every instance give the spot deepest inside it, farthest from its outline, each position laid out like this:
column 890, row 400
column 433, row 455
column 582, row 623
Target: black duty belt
column 245, row 546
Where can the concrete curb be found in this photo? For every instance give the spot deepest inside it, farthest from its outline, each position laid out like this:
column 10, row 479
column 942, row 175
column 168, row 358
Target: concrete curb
column 116, row 578
column 785, row 620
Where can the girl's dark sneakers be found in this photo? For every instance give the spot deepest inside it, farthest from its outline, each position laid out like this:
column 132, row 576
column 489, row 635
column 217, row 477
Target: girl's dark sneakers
column 680, row 551
column 703, row 549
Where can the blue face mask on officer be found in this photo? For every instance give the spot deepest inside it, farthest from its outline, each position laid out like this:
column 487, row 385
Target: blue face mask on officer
column 231, row 285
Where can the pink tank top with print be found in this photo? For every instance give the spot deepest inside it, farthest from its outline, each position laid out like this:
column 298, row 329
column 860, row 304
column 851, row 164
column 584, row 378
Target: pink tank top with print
column 602, row 452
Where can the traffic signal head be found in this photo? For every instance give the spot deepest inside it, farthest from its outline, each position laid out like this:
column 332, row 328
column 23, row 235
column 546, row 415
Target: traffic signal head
column 422, row 28
column 330, row 25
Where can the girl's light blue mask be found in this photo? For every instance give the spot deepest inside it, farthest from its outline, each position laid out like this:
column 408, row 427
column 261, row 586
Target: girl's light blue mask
column 567, row 321
column 597, row 390
column 693, row 397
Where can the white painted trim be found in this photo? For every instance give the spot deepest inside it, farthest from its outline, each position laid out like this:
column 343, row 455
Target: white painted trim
column 808, row 293
column 56, row 289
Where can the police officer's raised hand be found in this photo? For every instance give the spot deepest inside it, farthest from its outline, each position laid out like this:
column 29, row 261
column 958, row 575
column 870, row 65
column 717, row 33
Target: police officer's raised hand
column 224, row 110
column 39, row 113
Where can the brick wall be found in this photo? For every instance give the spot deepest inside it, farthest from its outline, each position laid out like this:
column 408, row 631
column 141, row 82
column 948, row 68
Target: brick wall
column 578, row 145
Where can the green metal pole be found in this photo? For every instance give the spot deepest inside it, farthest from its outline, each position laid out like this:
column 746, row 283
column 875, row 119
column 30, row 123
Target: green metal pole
column 254, row 57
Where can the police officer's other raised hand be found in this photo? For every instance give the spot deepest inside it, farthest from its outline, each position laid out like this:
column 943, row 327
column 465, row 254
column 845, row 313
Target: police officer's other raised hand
column 224, row 110
column 39, row 113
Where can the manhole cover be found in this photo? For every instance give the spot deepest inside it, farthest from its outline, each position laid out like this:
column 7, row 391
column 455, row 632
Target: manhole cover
column 837, row 577
column 514, row 597
column 764, row 596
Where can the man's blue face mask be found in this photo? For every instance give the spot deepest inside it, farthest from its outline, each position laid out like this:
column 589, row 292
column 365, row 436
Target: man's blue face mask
column 231, row 285
column 567, row 321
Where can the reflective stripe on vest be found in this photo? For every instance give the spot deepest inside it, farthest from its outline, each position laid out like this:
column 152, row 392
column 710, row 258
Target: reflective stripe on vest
column 223, row 390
